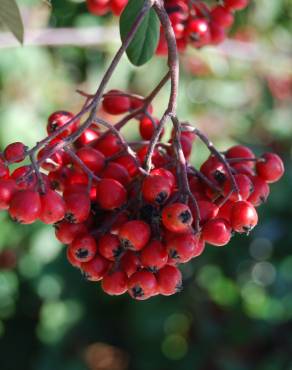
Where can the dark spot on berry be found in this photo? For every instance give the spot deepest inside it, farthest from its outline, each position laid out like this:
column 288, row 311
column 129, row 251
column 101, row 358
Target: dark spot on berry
column 185, row 217
column 149, row 213
column 219, row 177
column 81, row 253
column 161, row 197
column 117, row 252
column 70, row 218
column 173, row 254
column 137, row 291
column 126, row 244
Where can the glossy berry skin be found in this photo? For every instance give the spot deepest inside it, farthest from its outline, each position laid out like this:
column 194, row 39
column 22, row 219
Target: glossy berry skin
column 115, row 283
column 225, row 211
column 142, row 285
column 130, row 263
column 84, row 248
column 181, row 248
column 28, row 183
column 109, row 246
column 222, row 16
column 95, row 269
column 217, row 232
column 177, row 217
column 169, row 280
column 235, row 4
column 92, row 158
column 72, row 258
column 53, row 207
column 4, row 171
column 117, row 6
column 117, row 172
column 166, row 174
column 77, row 207
column 270, row 168
column 156, row 189
column 15, row 152
column 134, row 234
column 110, row 194
column 66, row 232
column 198, row 31
column 114, row 102
column 57, row 120
column 208, row 210
column 147, row 127
column 51, row 163
column 87, row 137
column 217, row 34
column 7, row 189
column 214, row 170
column 98, row 7
column 108, row 145
column 244, row 184
column 261, row 191
column 154, row 256
column 25, row 206
column 128, row 163
column 243, row 217
column 241, row 151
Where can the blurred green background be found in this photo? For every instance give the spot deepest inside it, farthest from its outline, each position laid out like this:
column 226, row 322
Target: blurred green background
column 235, row 312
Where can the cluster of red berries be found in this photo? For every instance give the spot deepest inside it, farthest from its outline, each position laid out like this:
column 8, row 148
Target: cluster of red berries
column 194, row 22
column 123, row 226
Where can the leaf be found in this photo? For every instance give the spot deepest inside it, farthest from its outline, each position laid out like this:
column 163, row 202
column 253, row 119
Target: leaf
column 11, row 18
column 145, row 41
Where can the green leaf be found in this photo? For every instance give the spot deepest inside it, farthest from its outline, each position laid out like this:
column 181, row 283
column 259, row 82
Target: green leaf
column 145, row 41
column 11, row 18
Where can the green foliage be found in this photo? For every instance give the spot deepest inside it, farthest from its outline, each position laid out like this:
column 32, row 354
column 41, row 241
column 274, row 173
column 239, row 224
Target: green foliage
column 145, row 41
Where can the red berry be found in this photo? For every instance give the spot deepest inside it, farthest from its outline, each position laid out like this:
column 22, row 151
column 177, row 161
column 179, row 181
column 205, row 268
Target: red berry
column 95, row 269
column 142, row 285
column 243, row 217
column 77, row 207
column 25, row 206
column 117, row 6
column 244, row 184
column 117, row 172
column 4, row 171
column 92, row 158
column 241, row 151
column 166, row 174
column 208, row 210
column 222, row 16
column 7, row 189
column 129, row 164
column 261, row 191
column 169, row 280
column 225, row 210
column 156, row 189
column 217, row 33
column 181, row 248
column 270, row 167
column 87, row 137
column 108, row 145
column 214, row 170
column 52, row 207
column 115, row 283
column 135, row 234
column 72, row 259
column 29, row 182
column 109, row 246
column 114, row 102
column 84, row 248
column 15, row 152
column 52, row 163
column 59, row 119
column 217, row 232
column 147, row 127
column 130, row 263
column 235, row 4
column 154, row 256
column 66, row 232
column 198, row 31
column 110, row 194
column 177, row 217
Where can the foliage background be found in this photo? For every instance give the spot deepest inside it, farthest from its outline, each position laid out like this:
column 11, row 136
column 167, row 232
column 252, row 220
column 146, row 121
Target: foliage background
column 235, row 312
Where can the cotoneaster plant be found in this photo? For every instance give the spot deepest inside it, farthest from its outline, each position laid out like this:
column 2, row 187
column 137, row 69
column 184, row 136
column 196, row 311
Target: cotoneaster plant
column 131, row 212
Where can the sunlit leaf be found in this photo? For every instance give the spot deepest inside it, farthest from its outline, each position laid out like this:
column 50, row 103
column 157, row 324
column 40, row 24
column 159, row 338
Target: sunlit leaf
column 11, row 18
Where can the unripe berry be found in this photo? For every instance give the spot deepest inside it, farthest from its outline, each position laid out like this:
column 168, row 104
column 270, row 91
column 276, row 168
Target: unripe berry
column 177, row 217
column 114, row 102
column 15, row 152
column 110, row 194
column 243, row 217
column 169, row 280
column 115, row 283
column 95, row 269
column 154, row 256
column 181, row 248
column 135, row 234
column 109, row 246
column 52, row 207
column 25, row 206
column 217, row 232
column 7, row 189
column 84, row 248
column 270, row 168
column 66, row 232
column 156, row 189
column 142, row 285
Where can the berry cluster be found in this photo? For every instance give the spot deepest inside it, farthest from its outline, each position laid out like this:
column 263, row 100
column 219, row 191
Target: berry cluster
column 194, row 22
column 131, row 212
